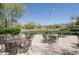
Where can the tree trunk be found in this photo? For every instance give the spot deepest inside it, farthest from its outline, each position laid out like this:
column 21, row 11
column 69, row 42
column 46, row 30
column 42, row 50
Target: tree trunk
column 6, row 23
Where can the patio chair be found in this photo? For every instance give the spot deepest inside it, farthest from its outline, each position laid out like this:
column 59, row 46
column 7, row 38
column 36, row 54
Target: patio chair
column 48, row 38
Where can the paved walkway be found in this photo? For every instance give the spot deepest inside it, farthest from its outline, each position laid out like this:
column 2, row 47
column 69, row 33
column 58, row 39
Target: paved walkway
column 64, row 45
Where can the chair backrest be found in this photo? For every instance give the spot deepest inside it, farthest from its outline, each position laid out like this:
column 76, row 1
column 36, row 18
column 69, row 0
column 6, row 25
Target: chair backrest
column 49, row 37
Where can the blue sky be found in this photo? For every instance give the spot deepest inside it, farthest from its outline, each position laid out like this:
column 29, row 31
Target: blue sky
column 47, row 13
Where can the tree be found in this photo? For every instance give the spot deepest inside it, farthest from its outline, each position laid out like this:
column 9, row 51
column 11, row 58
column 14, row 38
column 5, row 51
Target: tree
column 50, row 26
column 17, row 25
column 30, row 25
column 9, row 12
column 75, row 24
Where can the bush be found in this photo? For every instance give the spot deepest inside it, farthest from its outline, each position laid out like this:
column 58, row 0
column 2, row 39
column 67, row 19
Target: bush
column 67, row 32
column 10, row 31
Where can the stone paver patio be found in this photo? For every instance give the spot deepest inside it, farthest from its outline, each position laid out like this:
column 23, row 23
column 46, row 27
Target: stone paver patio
column 63, row 45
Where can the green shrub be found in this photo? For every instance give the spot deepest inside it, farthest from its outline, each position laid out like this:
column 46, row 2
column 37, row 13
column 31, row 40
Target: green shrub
column 51, row 32
column 10, row 31
column 67, row 32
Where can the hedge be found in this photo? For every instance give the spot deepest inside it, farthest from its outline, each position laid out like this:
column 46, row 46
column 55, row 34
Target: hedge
column 67, row 32
column 10, row 31
column 51, row 32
